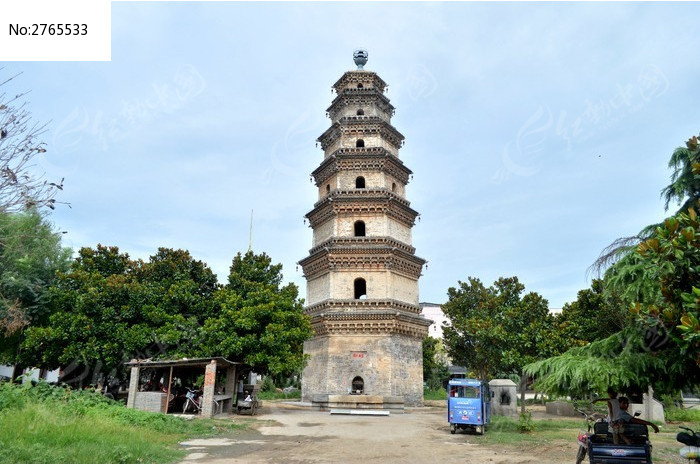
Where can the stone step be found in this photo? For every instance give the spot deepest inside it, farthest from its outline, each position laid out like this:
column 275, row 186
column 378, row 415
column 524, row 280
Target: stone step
column 361, row 412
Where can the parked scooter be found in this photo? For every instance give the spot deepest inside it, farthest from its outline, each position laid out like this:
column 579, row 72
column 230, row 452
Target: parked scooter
column 692, row 441
column 584, row 437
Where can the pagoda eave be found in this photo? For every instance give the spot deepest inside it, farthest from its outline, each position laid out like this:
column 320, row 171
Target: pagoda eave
column 378, row 126
column 362, row 305
column 357, row 258
column 363, row 97
column 356, row 204
column 363, row 242
column 375, row 323
column 361, row 159
column 357, row 76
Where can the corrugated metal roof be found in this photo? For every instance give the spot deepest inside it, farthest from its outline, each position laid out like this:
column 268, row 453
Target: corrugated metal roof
column 180, row 362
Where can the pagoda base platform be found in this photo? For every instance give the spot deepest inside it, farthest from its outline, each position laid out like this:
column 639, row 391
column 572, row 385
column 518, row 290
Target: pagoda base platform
column 327, row 402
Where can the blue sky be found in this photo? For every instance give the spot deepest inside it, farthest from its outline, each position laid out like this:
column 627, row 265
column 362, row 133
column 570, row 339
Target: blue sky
column 537, row 132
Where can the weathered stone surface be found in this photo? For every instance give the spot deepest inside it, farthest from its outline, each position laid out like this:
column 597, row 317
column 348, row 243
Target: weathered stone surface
column 505, row 399
column 389, row 365
column 561, row 408
column 150, row 401
column 374, row 338
column 326, row 402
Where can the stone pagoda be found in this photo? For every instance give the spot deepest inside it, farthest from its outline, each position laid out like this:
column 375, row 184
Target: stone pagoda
column 362, row 272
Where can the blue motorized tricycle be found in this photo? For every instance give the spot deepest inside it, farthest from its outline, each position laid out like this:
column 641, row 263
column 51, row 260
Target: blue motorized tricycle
column 468, row 405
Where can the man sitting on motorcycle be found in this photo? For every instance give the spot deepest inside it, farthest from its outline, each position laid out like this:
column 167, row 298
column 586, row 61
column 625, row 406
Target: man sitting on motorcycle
column 626, row 418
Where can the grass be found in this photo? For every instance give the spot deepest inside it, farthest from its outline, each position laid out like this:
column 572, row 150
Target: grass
column 273, row 395
column 675, row 414
column 439, row 394
column 39, row 433
column 46, row 424
column 506, row 431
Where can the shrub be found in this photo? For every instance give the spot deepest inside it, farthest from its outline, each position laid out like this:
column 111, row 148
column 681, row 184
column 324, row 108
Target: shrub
column 268, row 385
column 676, row 414
column 525, row 424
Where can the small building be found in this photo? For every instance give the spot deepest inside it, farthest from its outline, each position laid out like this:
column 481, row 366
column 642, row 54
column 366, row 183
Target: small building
column 505, row 400
column 161, row 395
column 8, row 371
column 433, row 312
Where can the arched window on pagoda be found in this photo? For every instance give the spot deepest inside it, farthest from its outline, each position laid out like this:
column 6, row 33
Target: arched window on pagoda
column 360, row 143
column 359, row 229
column 360, row 289
column 359, row 86
column 360, row 112
column 360, row 182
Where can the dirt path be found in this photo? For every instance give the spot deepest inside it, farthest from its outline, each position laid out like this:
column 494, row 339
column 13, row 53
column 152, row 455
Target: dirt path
column 284, row 434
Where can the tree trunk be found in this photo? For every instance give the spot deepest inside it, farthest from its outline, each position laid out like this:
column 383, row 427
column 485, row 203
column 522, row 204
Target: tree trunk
column 523, row 385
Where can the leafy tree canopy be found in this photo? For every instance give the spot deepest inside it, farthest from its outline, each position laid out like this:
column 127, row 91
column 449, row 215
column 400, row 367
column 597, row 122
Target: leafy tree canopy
column 435, row 369
column 596, row 314
column 108, row 309
column 660, row 343
column 656, row 278
column 623, row 361
column 684, row 190
column 30, row 255
column 495, row 330
column 259, row 322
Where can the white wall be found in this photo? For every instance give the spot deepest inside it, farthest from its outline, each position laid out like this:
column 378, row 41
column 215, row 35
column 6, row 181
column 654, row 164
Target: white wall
column 434, row 313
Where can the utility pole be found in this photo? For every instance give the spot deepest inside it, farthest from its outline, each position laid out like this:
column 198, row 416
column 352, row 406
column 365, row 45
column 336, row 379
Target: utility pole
column 250, row 235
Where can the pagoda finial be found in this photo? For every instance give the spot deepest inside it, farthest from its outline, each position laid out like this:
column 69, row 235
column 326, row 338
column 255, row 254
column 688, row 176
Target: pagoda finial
column 360, row 58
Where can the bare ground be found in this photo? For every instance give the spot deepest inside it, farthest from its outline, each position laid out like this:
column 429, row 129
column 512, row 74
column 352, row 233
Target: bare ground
column 286, row 434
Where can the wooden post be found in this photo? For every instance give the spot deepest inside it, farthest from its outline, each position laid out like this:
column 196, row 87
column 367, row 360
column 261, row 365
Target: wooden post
column 170, row 382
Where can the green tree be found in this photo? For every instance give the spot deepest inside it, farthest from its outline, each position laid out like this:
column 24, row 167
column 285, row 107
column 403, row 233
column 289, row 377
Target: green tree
column 596, row 314
column 473, row 336
column 684, row 190
column 659, row 344
column 671, row 258
column 30, row 256
column 435, row 369
column 259, row 322
column 626, row 360
column 495, row 330
column 656, row 275
column 108, row 309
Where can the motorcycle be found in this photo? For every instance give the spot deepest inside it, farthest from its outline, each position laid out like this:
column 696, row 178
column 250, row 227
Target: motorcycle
column 584, row 437
column 692, row 441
